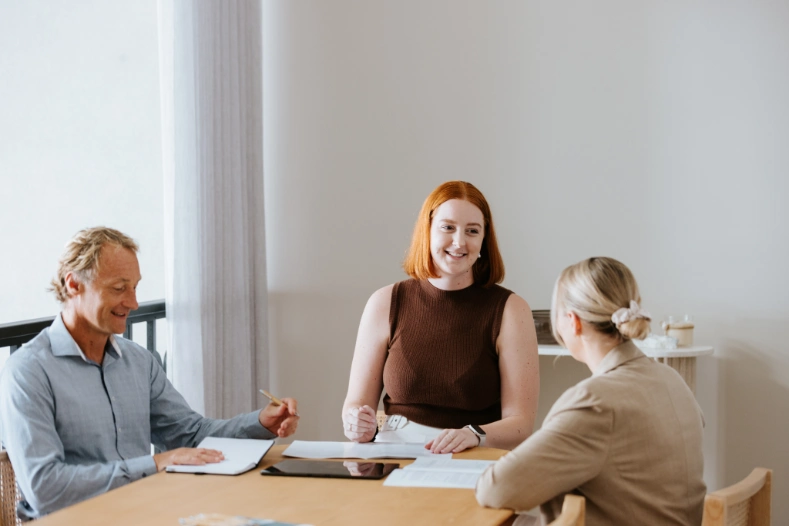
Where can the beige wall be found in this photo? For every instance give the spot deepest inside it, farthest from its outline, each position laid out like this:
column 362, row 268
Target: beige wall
column 656, row 135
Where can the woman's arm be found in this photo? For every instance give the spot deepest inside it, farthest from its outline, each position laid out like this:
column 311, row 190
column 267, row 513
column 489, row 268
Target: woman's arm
column 519, row 367
column 367, row 369
column 520, row 386
column 570, row 449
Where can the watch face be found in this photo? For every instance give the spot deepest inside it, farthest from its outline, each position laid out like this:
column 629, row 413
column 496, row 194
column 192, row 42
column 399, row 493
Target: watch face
column 478, row 430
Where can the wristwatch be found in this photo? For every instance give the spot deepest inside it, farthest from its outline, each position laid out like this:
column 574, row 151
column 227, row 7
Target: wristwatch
column 479, row 432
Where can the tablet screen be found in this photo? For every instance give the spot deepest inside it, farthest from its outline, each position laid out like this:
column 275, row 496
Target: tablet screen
column 325, row 468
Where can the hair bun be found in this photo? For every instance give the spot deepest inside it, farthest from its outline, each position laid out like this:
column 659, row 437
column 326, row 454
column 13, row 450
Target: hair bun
column 635, row 329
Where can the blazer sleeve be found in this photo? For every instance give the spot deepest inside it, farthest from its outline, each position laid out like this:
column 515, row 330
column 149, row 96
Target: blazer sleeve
column 570, row 449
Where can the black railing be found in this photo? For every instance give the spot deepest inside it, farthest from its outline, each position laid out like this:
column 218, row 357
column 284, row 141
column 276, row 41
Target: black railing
column 16, row 334
column 147, row 313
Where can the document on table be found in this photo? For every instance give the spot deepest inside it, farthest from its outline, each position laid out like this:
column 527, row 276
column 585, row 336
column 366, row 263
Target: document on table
column 241, row 454
column 439, row 473
column 310, row 449
column 400, row 436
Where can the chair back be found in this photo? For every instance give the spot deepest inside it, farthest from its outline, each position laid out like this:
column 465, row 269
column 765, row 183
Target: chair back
column 573, row 512
column 380, row 416
column 746, row 503
column 9, row 493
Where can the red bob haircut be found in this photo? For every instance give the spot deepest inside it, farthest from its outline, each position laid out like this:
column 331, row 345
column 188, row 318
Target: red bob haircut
column 489, row 268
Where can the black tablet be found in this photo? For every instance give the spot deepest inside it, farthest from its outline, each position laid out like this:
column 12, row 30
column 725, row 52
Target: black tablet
column 325, row 468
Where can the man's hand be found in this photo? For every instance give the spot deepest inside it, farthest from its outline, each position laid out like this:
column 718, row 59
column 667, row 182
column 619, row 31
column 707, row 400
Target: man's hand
column 187, row 456
column 282, row 420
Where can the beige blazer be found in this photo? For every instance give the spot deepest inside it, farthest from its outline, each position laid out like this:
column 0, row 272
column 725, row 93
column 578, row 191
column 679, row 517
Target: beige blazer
column 628, row 439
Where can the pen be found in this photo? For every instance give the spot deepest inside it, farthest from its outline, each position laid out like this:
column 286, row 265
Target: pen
column 274, row 399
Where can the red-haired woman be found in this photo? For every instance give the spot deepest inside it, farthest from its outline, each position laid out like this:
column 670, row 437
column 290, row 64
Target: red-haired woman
column 456, row 353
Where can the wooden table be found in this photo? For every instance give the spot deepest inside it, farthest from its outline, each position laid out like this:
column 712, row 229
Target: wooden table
column 165, row 497
column 681, row 359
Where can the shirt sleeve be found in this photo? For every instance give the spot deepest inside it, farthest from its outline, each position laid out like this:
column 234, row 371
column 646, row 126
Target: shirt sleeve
column 37, row 454
column 174, row 424
column 569, row 449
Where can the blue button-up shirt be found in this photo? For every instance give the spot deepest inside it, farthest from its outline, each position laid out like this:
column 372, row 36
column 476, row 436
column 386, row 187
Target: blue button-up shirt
column 75, row 429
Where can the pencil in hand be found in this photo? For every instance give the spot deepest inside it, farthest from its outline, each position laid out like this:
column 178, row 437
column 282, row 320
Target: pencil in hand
column 274, row 399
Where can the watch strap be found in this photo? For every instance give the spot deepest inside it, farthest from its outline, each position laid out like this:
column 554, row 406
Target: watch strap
column 480, row 436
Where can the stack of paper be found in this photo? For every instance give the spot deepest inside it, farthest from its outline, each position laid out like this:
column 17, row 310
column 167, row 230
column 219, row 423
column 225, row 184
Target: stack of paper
column 310, row 449
column 439, row 473
column 241, row 454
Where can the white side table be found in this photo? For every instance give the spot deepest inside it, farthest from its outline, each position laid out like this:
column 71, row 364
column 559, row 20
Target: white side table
column 682, row 359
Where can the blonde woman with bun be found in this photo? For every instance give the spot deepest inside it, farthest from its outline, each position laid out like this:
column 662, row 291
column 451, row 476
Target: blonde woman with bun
column 628, row 438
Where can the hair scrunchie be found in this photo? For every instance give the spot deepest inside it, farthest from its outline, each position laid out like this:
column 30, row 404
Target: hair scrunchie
column 624, row 315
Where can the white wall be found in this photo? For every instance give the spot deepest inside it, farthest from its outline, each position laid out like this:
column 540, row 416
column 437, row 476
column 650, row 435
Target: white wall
column 80, row 140
column 655, row 134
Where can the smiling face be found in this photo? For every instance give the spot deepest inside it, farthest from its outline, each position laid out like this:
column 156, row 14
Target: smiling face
column 456, row 234
column 102, row 305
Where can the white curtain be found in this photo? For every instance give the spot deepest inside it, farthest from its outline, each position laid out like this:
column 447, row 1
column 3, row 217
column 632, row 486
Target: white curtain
column 212, row 119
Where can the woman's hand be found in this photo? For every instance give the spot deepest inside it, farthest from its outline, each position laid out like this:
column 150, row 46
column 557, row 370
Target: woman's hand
column 359, row 423
column 453, row 441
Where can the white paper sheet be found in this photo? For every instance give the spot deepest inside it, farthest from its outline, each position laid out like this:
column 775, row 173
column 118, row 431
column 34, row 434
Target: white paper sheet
column 241, row 454
column 439, row 473
column 400, row 436
column 310, row 449
column 441, row 463
column 418, row 478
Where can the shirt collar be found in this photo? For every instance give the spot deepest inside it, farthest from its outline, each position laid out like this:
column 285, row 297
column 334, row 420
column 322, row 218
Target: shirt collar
column 622, row 353
column 63, row 343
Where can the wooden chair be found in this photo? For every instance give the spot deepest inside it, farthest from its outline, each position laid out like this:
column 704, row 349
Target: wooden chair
column 746, row 503
column 573, row 512
column 380, row 416
column 9, row 493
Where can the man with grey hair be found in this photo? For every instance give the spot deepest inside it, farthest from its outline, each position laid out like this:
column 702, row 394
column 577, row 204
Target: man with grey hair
column 81, row 406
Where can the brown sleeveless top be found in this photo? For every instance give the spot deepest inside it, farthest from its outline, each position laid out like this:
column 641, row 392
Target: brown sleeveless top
column 442, row 369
